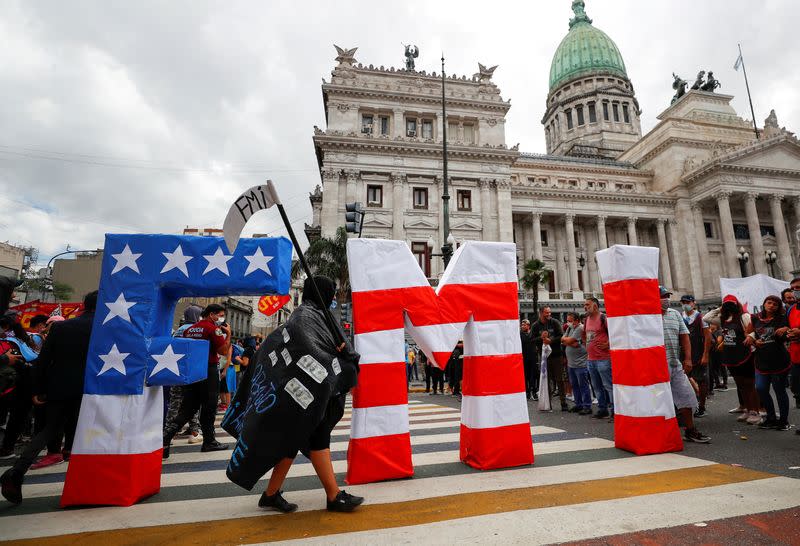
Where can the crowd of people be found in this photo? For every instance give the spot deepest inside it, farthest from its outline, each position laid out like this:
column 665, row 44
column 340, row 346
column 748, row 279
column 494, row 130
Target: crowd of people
column 760, row 351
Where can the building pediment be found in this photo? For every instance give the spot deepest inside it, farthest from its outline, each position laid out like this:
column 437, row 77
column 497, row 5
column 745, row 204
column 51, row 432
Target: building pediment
column 465, row 225
column 373, row 220
column 780, row 155
column 423, row 223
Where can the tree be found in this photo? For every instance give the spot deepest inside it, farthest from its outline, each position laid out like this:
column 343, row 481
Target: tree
column 62, row 291
column 535, row 274
column 328, row 256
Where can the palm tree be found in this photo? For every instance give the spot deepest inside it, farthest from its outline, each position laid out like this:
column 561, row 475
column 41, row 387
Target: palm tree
column 535, row 275
column 328, row 256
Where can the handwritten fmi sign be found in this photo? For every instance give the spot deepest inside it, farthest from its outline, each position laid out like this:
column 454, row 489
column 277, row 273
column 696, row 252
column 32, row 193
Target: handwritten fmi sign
column 255, row 199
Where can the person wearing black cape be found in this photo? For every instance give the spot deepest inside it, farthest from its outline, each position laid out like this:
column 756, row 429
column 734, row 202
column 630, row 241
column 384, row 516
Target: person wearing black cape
column 290, row 400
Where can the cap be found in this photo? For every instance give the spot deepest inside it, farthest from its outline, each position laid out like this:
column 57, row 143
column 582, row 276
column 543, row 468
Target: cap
column 663, row 292
column 687, row 297
column 730, row 297
column 55, row 318
column 525, row 321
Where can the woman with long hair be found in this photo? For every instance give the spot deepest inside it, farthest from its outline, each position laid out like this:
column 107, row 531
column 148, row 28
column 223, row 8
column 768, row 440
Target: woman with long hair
column 736, row 355
column 768, row 332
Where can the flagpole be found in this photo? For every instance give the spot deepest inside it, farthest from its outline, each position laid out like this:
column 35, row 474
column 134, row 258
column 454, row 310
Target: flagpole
column 749, row 98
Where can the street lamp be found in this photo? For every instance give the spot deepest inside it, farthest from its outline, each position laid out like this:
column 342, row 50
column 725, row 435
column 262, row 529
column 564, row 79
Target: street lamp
column 744, row 256
column 447, row 248
column 771, row 257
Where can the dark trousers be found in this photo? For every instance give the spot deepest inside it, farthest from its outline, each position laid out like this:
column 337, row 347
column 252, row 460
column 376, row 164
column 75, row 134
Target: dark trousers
column 531, row 377
column 778, row 383
column 202, row 395
column 437, row 378
column 62, row 418
column 19, row 408
column 427, row 377
column 795, row 378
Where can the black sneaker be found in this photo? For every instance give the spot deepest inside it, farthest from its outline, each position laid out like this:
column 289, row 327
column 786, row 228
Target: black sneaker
column 165, row 452
column 575, row 409
column 696, row 436
column 344, row 502
column 276, row 502
column 781, row 426
column 536, row 396
column 600, row 415
column 585, row 411
column 11, row 486
column 564, row 407
column 768, row 423
column 213, row 446
column 700, row 413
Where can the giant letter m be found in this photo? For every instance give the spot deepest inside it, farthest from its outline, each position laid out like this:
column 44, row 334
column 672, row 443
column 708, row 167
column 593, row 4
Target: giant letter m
column 476, row 301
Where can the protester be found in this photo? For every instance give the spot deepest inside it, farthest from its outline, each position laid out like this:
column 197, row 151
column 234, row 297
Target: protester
column 768, row 330
column 530, row 362
column 17, row 400
column 455, row 369
column 58, row 383
column 793, row 316
column 676, row 341
column 36, row 330
column 700, row 341
column 598, row 361
column 719, row 373
column 317, row 446
column 426, row 369
column 548, row 331
column 203, row 395
column 787, row 297
column 575, row 350
column 437, row 377
column 737, row 355
column 191, row 315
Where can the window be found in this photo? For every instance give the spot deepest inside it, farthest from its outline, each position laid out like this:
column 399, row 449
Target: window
column 605, row 110
column 366, row 123
column 420, row 198
column 741, row 231
column 592, row 113
column 464, row 199
column 374, row 196
column 469, row 133
column 579, row 111
column 625, row 115
column 420, row 252
column 384, row 125
column 709, row 230
column 767, row 230
column 568, row 113
column 411, row 127
column 452, row 131
column 544, row 237
column 615, row 109
column 427, row 128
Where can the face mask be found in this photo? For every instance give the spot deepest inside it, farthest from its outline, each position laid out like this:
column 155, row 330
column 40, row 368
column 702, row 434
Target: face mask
column 729, row 307
column 220, row 320
column 665, row 304
column 687, row 307
column 796, row 294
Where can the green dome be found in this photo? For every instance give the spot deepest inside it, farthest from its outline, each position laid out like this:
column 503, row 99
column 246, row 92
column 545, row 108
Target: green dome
column 584, row 50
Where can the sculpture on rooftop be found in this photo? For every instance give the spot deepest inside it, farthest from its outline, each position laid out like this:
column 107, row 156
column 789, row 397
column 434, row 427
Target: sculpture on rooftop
column 698, row 83
column 412, row 52
column 711, row 83
column 679, row 85
column 345, row 56
column 484, row 74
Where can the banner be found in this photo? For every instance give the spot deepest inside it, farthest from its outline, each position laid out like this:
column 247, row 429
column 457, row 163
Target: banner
column 269, row 305
column 29, row 310
column 751, row 291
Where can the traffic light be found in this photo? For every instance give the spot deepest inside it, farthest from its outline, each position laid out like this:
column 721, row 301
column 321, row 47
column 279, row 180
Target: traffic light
column 354, row 217
column 345, row 313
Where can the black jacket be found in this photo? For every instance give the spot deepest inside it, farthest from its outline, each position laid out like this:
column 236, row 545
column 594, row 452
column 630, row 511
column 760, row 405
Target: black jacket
column 61, row 366
column 528, row 348
column 556, row 332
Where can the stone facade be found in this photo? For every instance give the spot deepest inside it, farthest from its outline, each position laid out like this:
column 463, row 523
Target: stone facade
column 699, row 185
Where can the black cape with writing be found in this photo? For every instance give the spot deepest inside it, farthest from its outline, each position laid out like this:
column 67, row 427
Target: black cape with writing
column 284, row 394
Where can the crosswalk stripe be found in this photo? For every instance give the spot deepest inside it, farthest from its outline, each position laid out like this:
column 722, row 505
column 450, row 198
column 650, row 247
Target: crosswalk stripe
column 455, row 499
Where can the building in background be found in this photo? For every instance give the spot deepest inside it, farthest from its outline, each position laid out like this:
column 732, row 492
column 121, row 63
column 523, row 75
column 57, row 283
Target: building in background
column 699, row 185
column 80, row 273
column 12, row 260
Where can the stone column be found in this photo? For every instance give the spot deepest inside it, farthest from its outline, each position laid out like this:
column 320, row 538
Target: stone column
column 593, row 283
column 756, row 243
column 527, row 240
column 702, row 246
column 796, row 227
column 679, row 279
column 537, row 236
column 504, row 218
column 399, row 123
column 681, row 230
column 330, row 202
column 602, row 240
column 784, row 250
column 398, row 207
column 664, row 254
column 562, row 281
column 632, row 238
column 486, row 212
column 569, row 232
column 352, row 178
column 728, row 236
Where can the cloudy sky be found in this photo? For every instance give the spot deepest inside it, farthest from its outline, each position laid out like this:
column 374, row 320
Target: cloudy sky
column 152, row 116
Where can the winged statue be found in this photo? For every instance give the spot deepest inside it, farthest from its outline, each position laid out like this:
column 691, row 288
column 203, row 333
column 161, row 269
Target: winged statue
column 345, row 56
column 484, row 74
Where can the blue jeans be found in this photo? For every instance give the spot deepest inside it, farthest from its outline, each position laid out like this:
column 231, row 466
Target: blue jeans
column 579, row 378
column 600, row 374
column 778, row 384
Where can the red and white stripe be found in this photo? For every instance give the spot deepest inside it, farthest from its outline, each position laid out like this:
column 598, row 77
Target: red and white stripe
column 108, row 465
column 644, row 421
column 476, row 301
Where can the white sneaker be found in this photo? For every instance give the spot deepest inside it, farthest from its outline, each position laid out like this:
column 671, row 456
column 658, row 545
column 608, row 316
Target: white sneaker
column 196, row 438
column 754, row 418
column 743, row 417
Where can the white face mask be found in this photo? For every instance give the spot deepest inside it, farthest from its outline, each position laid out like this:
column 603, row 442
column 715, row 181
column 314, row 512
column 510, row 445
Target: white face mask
column 687, row 307
column 220, row 320
column 665, row 304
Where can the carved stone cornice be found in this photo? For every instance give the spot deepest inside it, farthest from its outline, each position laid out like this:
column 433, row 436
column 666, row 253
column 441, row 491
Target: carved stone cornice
column 526, row 161
column 478, row 101
column 591, row 195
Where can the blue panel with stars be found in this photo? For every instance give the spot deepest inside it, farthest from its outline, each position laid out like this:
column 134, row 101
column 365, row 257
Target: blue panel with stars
column 143, row 277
